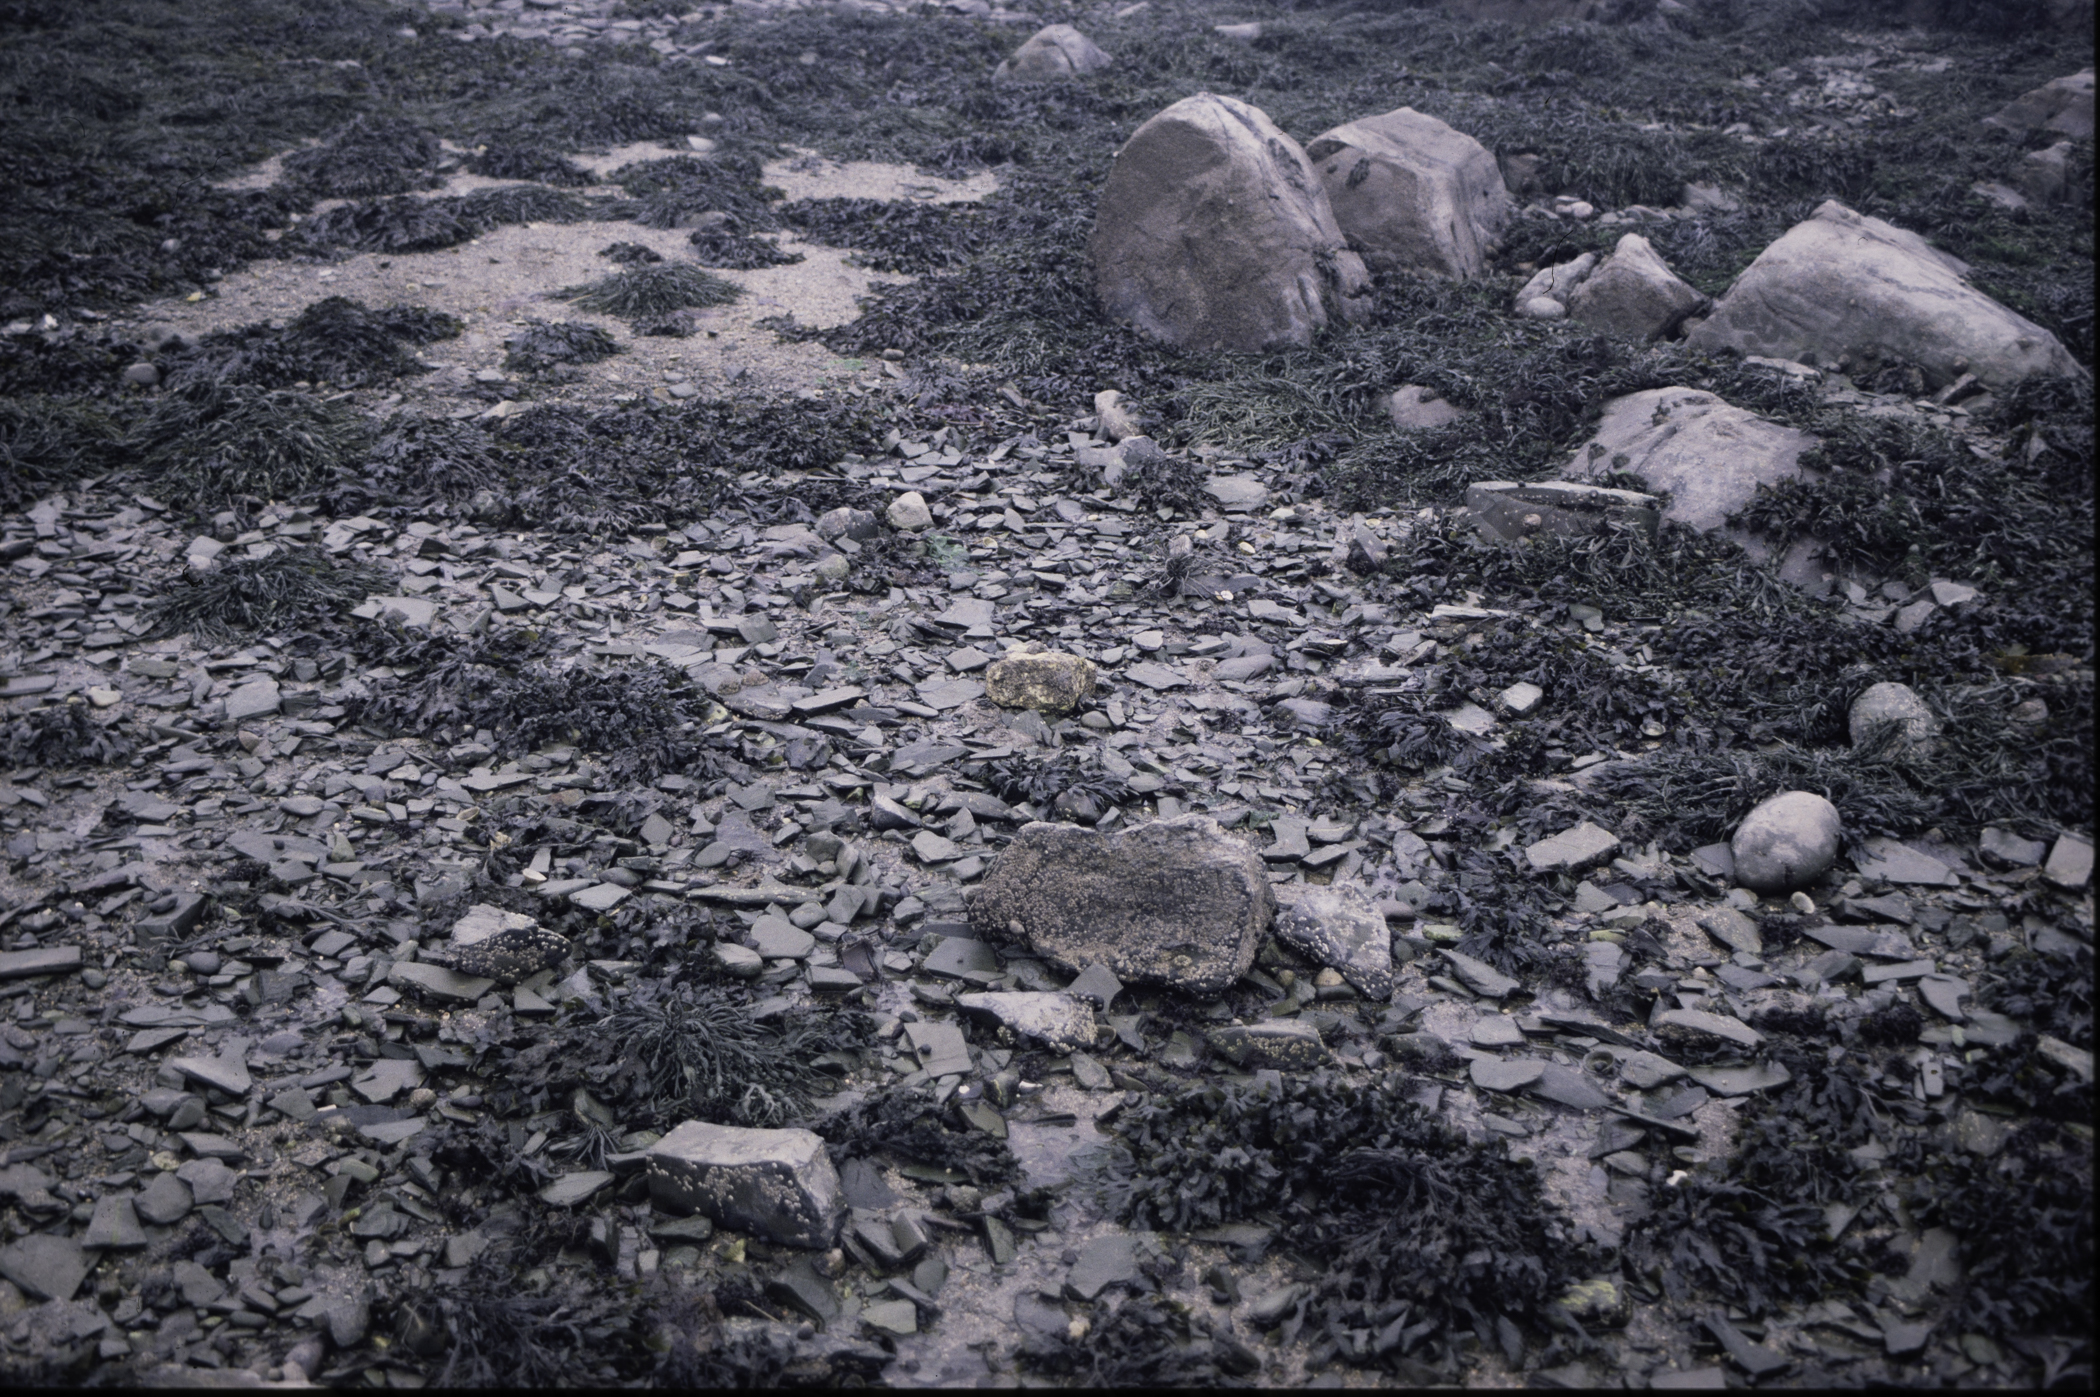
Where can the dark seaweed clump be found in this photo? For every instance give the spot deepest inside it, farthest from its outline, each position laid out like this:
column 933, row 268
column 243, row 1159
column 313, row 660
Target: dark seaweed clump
column 680, row 191
column 60, row 735
column 510, row 160
column 412, row 224
column 628, row 254
column 648, row 291
column 541, row 346
column 725, row 244
column 571, row 469
column 367, row 156
column 46, row 442
column 335, row 342
column 1750, row 1228
column 2053, row 992
column 694, row 1052
column 415, row 460
column 1423, row 1235
column 214, row 445
column 643, row 717
column 289, row 588
column 890, row 237
column 909, row 1128
column 1142, row 1342
column 2025, row 1220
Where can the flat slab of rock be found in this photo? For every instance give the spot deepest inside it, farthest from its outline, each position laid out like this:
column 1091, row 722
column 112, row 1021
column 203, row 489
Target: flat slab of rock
column 1214, row 233
column 1511, row 510
column 1289, row 1045
column 1840, row 285
column 39, row 960
column 1505, row 1074
column 115, row 1225
column 572, row 1189
column 1710, row 1025
column 227, row 1072
column 1568, row 1086
column 1062, row 1021
column 256, row 699
column 1892, row 861
column 2070, row 862
column 438, row 982
column 776, row 1184
column 1480, row 977
column 1174, row 902
column 1341, row 927
column 1708, row 455
column 1411, row 192
column 1573, row 850
column 47, row 1267
column 1743, row 1080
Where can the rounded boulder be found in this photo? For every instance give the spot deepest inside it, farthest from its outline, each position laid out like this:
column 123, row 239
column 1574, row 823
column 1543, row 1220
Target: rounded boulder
column 1893, row 703
column 1787, row 842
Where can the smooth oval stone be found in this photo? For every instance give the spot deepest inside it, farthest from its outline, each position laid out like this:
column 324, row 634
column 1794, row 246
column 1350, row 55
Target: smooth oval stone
column 1789, row 841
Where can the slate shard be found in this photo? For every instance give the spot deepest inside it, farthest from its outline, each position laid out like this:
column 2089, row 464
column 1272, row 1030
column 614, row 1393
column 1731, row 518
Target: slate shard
column 777, row 1184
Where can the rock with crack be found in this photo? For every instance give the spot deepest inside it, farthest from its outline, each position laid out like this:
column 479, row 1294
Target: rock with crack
column 1709, row 457
column 1339, row 926
column 1054, row 52
column 776, row 1184
column 1214, row 233
column 1062, row 1021
column 1175, row 902
column 1047, row 681
column 1545, row 295
column 1410, row 192
column 1842, row 288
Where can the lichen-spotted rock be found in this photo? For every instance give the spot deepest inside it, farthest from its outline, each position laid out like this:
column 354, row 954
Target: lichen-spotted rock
column 1171, row 902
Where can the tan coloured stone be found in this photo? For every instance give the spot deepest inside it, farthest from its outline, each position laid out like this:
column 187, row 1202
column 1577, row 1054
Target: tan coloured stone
column 1047, row 681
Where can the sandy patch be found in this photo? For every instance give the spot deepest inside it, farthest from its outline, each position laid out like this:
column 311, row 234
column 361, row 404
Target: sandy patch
column 498, row 281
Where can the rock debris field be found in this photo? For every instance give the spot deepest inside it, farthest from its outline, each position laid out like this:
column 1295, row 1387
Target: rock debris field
column 939, row 696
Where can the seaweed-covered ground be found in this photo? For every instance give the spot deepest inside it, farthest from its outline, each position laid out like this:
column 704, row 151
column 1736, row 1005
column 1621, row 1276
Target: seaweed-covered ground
column 414, row 426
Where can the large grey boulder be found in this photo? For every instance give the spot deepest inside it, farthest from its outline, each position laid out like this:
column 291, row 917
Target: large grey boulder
column 1842, row 287
column 2063, row 105
column 1052, row 53
column 1214, row 233
column 1170, row 902
column 1708, row 455
column 1786, row 842
column 1633, row 294
column 1411, row 192
column 1341, row 927
column 778, row 1184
